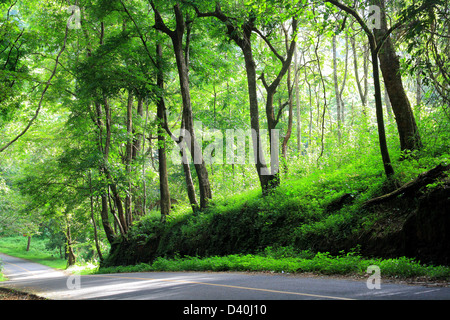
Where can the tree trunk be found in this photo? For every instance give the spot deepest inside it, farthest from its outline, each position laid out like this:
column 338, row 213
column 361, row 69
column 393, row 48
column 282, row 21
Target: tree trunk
column 297, row 103
column 361, row 90
column 336, row 91
column 325, row 103
column 290, row 94
column 418, row 91
column 110, row 235
column 310, row 111
column 387, row 102
column 241, row 35
column 267, row 181
column 71, row 255
column 188, row 176
column 161, row 115
column 343, row 83
column 112, row 185
column 196, row 151
column 129, row 157
column 185, row 163
column 289, row 129
column 390, row 67
column 28, row 243
column 97, row 245
column 388, row 169
column 271, row 89
column 139, row 198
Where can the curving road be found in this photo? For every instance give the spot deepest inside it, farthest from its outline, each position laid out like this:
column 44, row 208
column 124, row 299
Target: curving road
column 43, row 281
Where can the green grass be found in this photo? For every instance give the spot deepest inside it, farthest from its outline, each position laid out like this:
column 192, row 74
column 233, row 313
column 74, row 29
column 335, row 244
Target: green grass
column 16, row 246
column 2, row 276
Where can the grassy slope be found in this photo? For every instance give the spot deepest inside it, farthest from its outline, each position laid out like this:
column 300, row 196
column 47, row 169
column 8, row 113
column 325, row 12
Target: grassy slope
column 16, row 246
column 304, row 212
column 304, row 215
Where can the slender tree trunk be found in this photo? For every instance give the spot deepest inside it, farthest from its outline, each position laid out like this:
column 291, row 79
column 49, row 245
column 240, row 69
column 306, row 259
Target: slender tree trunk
column 325, row 103
column 195, row 149
column 139, row 198
column 290, row 95
column 297, row 103
column 361, row 90
column 112, row 185
column 129, row 157
column 310, row 110
column 418, row 92
column 266, row 181
column 336, row 91
column 188, row 176
column 185, row 163
column 161, row 115
column 242, row 37
column 109, row 231
column 271, row 89
column 388, row 103
column 390, row 67
column 289, row 129
column 94, row 224
column 341, row 90
column 28, row 243
column 137, row 141
column 388, row 169
column 118, row 202
column 71, row 255
column 112, row 207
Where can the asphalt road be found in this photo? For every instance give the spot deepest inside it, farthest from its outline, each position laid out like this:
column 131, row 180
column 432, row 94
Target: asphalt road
column 43, row 281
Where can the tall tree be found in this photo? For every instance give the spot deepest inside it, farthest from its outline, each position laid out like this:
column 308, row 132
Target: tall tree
column 272, row 88
column 336, row 90
column 374, row 48
column 161, row 117
column 362, row 89
column 176, row 36
column 390, row 67
column 240, row 31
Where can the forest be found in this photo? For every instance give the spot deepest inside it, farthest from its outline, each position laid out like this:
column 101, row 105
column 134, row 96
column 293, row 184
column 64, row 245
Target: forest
column 138, row 129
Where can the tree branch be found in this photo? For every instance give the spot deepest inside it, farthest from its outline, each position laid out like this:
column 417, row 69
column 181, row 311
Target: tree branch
column 263, row 79
column 275, row 52
column 36, row 114
column 159, row 22
column 217, row 13
column 139, row 33
column 280, row 112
